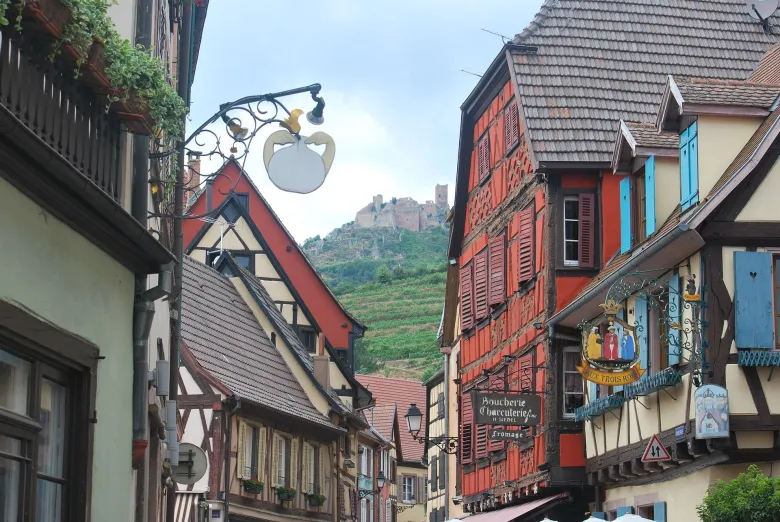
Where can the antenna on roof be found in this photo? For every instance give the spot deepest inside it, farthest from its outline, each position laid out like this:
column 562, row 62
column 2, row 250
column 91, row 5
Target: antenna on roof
column 762, row 10
column 471, row 73
column 504, row 39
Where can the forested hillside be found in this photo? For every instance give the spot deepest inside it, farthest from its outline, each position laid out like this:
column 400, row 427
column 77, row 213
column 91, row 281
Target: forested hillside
column 393, row 281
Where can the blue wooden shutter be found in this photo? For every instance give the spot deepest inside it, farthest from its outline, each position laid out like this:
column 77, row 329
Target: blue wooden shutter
column 753, row 300
column 685, row 175
column 625, row 510
column 674, row 316
column 650, row 196
column 599, row 514
column 625, row 214
column 693, row 164
column 619, row 330
column 593, row 391
column 659, row 512
column 641, row 320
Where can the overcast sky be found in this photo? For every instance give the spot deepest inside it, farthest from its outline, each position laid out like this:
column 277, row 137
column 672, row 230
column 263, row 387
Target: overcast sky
column 390, row 73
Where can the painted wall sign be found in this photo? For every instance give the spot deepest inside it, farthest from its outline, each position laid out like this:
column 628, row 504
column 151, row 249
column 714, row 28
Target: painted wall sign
column 507, row 409
column 712, row 412
column 510, row 435
column 610, row 352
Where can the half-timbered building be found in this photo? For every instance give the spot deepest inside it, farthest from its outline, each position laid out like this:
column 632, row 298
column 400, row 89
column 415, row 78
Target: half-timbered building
column 409, row 472
column 277, row 425
column 384, row 422
column 247, row 227
column 695, row 283
column 536, row 217
column 435, row 456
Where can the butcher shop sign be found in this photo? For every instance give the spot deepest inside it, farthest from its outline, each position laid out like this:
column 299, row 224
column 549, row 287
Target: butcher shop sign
column 507, row 409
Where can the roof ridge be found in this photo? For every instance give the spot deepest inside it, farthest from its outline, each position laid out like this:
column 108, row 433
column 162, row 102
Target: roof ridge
column 537, row 22
column 388, row 378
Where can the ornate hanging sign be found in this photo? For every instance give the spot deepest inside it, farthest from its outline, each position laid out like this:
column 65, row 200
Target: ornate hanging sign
column 712, row 412
column 610, row 355
column 505, row 409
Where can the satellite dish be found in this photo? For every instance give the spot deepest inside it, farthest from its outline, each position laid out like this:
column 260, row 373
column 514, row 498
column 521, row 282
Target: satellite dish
column 192, row 464
column 765, row 8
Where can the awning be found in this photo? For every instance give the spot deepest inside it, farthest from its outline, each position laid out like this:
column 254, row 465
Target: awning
column 511, row 513
column 186, row 509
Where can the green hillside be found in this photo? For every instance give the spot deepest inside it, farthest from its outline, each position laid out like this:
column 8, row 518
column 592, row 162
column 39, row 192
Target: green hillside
column 393, row 281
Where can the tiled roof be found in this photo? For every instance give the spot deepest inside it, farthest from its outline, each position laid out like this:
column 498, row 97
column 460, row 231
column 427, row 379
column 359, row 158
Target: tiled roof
column 647, row 135
column 226, row 339
column 583, row 65
column 381, row 418
column 727, row 92
column 399, row 393
column 768, row 70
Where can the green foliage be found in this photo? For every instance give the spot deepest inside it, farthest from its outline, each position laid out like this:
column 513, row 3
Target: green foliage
column 133, row 70
column 751, row 497
column 383, row 274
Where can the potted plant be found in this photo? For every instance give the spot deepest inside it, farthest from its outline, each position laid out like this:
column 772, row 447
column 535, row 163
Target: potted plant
column 285, row 493
column 252, row 485
column 316, row 499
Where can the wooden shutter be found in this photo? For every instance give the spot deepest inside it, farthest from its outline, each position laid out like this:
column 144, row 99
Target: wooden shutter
column 262, row 444
column 525, row 245
column 307, row 480
column 625, row 214
column 294, row 450
column 673, row 310
column 625, row 510
column 442, row 469
column 275, row 460
column 467, row 296
column 642, row 322
column 753, row 306
column 511, row 126
column 650, row 196
column 659, row 512
column 353, row 502
column 419, row 489
column 587, row 235
column 440, row 405
column 497, row 263
column 481, row 308
column 482, row 442
column 434, row 474
column 466, row 429
column 241, row 452
column 689, row 167
column 483, row 157
column 322, row 477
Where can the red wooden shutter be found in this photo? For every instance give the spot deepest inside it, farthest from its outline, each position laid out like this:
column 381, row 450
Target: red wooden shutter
column 482, row 442
column 481, row 307
column 511, row 126
column 497, row 270
column 587, row 232
column 467, row 297
column 466, row 429
column 483, row 157
column 525, row 246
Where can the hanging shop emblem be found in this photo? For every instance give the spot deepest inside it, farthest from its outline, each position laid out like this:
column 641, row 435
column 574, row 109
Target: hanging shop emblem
column 712, row 412
column 507, row 409
column 610, row 352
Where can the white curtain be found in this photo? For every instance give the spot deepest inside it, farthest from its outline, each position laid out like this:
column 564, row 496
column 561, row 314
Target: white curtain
column 51, row 451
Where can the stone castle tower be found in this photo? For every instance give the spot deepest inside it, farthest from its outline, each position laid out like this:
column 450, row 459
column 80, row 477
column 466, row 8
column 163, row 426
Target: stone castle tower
column 405, row 212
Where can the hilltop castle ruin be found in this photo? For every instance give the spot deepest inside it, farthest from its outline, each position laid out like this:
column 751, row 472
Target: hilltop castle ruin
column 405, row 212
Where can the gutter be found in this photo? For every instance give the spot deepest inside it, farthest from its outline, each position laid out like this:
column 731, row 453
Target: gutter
column 635, row 260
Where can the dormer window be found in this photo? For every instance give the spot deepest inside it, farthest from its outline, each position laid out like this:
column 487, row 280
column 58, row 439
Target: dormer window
column 637, row 206
column 689, row 167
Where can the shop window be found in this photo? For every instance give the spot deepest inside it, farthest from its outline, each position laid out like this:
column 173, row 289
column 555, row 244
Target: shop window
column 573, row 393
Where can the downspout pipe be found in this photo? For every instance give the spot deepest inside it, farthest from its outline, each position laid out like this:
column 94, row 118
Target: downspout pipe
column 143, row 310
column 184, row 61
column 446, row 434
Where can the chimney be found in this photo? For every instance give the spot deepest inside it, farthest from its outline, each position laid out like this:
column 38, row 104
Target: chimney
column 322, row 364
column 191, row 176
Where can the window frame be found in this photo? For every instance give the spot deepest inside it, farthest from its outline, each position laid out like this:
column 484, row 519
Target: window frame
column 570, row 263
column 302, row 332
column 410, row 499
column 79, row 393
column 577, row 351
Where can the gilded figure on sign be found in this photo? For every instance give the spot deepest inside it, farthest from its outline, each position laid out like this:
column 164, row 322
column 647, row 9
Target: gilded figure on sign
column 611, row 344
column 594, row 344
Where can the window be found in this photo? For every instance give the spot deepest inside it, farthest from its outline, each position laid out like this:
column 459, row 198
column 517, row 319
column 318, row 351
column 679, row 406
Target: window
column 231, row 212
column 689, row 167
column 573, row 396
column 483, row 158
column 639, row 220
column 246, row 260
column 408, row 490
column 281, row 455
column 250, row 451
column 242, row 200
column 310, row 480
column 776, row 284
column 578, row 231
column 41, row 456
column 308, row 338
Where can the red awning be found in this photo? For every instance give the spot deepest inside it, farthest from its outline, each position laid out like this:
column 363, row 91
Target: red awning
column 511, row 513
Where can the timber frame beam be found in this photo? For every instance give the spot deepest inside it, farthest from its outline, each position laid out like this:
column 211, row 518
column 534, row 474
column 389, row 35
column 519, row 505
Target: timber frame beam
column 742, row 233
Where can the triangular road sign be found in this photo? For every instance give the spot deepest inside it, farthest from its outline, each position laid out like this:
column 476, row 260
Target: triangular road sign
column 656, row 452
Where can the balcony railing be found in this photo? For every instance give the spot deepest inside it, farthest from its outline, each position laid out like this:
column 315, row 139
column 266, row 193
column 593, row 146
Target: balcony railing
column 365, row 482
column 598, row 407
column 761, row 358
column 63, row 113
column 668, row 377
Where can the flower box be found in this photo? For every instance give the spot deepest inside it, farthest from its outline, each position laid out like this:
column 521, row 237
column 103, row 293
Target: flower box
column 95, row 65
column 285, row 494
column 252, row 486
column 51, row 15
column 315, row 499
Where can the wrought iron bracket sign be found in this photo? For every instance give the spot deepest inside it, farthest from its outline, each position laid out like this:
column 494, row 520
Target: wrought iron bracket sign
column 504, row 409
column 447, row 445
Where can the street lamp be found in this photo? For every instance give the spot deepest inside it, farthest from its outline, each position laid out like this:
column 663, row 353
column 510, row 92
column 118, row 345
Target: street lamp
column 380, row 482
column 414, row 419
